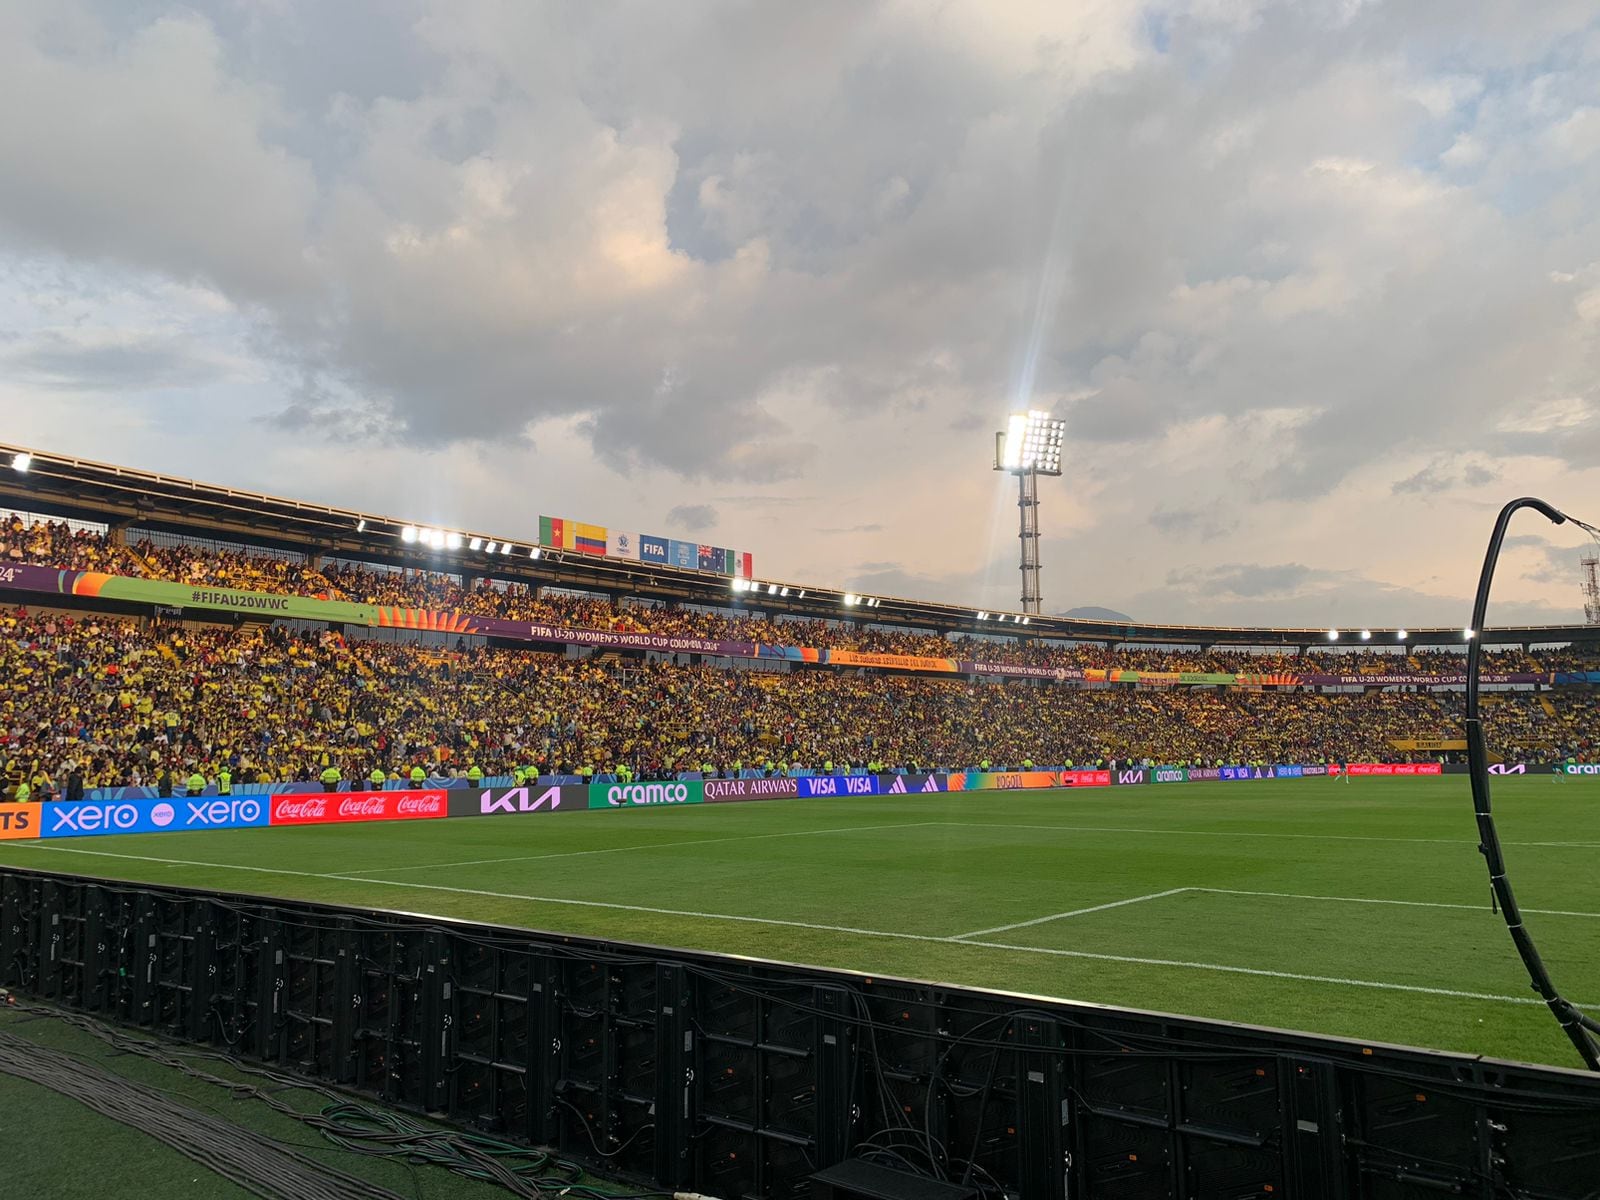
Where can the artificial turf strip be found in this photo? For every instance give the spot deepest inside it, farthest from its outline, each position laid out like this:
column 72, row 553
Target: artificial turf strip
column 883, row 885
column 57, row 1149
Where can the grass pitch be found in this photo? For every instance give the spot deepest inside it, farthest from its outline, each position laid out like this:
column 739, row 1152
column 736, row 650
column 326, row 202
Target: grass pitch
column 1359, row 909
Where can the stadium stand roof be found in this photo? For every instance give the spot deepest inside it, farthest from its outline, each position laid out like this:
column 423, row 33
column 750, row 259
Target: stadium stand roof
column 123, row 497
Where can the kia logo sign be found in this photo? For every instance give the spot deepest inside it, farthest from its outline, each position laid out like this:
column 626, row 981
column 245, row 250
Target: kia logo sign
column 1508, row 768
column 519, row 800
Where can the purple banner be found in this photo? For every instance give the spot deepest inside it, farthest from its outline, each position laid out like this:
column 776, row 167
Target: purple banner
column 1456, row 680
column 612, row 640
column 719, row 790
column 36, row 579
column 1020, row 670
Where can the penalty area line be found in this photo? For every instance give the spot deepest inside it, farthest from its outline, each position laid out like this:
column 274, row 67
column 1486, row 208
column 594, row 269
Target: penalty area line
column 1134, row 960
column 1062, row 916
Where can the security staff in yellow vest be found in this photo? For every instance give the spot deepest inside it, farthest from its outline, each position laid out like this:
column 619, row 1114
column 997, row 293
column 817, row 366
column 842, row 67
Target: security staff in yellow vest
column 375, row 780
column 197, row 782
column 474, row 776
column 418, row 778
column 224, row 782
column 331, row 779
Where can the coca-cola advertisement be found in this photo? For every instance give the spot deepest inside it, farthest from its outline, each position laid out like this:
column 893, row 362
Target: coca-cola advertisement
column 326, row 808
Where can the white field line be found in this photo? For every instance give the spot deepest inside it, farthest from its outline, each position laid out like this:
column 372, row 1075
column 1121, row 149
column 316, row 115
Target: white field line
column 754, row 837
column 1062, row 916
column 877, row 933
column 1231, row 833
column 1480, row 908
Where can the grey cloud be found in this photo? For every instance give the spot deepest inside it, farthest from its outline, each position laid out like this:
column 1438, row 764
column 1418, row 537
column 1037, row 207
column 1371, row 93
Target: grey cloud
column 1294, row 594
column 1446, row 474
column 459, row 225
column 1249, row 580
column 1200, row 524
column 692, row 518
column 873, row 527
column 56, row 361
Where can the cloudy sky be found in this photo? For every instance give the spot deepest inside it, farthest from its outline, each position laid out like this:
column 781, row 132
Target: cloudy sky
column 1316, row 285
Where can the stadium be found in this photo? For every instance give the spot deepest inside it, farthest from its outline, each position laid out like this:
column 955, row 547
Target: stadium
column 675, row 843
column 868, row 600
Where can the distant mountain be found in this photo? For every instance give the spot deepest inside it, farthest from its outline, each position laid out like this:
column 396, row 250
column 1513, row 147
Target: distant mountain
column 1091, row 613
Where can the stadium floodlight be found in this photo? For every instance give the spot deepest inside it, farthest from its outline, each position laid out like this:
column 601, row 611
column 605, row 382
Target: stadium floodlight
column 491, row 547
column 983, row 616
column 453, row 540
column 475, row 544
column 1399, row 635
column 1028, row 447
column 1027, row 620
column 783, row 591
column 506, row 548
column 1366, row 635
column 532, row 553
column 849, row 599
column 408, row 534
column 21, row 463
column 1333, row 635
column 361, row 525
column 802, row 594
column 1469, row 634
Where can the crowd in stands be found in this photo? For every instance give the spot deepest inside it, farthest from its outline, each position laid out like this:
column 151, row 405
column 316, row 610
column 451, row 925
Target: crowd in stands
column 91, row 700
column 57, row 544
column 54, row 544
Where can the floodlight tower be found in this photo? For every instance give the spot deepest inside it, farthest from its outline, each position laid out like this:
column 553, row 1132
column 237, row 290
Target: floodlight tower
column 1028, row 447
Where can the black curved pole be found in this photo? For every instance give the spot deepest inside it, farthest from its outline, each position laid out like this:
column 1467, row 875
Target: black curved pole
column 1578, row 1027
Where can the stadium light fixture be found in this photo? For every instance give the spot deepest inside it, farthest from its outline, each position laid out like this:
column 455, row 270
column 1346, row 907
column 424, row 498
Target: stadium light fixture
column 361, row 525
column 1366, row 635
column 453, row 541
column 1029, row 446
column 475, row 544
column 491, row 547
column 1027, row 620
column 408, row 534
column 532, row 553
column 506, row 548
column 1333, row 635
column 21, row 463
column 1469, row 634
column 849, row 599
column 802, row 594
column 783, row 592
column 1399, row 635
column 737, row 585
